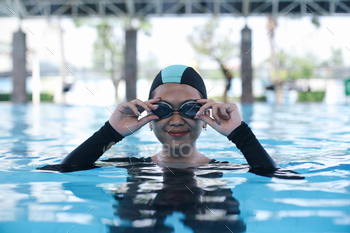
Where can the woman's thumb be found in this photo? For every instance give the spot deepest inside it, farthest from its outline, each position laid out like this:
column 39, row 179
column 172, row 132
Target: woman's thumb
column 207, row 119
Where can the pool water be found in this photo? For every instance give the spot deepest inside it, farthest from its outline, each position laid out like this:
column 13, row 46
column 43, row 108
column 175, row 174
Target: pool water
column 311, row 139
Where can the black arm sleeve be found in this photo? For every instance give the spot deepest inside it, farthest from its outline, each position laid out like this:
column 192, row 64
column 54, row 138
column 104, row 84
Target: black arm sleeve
column 254, row 153
column 90, row 150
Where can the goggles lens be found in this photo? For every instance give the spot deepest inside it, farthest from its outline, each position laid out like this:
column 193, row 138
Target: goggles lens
column 187, row 109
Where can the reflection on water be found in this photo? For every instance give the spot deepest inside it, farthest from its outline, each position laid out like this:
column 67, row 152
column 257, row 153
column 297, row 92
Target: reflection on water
column 149, row 198
column 18, row 130
column 340, row 186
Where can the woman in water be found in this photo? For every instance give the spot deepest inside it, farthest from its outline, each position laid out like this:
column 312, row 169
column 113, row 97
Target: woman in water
column 178, row 111
column 177, row 178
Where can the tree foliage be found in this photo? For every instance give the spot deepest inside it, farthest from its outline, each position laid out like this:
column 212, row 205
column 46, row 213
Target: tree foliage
column 291, row 67
column 205, row 40
column 336, row 57
column 315, row 21
column 107, row 47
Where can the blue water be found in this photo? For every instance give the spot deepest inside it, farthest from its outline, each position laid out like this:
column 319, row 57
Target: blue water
column 312, row 139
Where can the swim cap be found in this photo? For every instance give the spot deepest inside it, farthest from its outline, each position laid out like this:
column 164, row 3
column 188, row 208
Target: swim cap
column 179, row 74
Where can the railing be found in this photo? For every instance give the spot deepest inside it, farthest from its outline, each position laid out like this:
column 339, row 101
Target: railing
column 143, row 8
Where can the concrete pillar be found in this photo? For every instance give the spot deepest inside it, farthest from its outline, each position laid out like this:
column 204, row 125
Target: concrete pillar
column 36, row 83
column 19, row 72
column 63, row 69
column 246, row 65
column 130, row 67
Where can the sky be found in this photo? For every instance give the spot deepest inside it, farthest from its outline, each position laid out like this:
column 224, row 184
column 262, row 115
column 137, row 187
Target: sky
column 168, row 40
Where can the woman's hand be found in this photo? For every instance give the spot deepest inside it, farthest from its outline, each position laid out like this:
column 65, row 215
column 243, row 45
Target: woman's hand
column 125, row 116
column 226, row 116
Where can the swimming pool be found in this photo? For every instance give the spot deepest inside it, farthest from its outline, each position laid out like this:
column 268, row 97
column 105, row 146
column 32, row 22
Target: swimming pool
column 312, row 139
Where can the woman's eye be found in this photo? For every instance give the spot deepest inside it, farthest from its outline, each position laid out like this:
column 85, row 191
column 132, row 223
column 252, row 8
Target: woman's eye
column 163, row 109
column 190, row 108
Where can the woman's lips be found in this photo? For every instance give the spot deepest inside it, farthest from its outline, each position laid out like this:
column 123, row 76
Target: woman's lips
column 177, row 134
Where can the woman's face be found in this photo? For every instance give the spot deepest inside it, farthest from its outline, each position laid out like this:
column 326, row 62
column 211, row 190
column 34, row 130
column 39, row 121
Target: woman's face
column 176, row 130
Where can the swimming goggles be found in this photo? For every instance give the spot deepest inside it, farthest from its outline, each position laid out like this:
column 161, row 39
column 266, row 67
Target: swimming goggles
column 187, row 109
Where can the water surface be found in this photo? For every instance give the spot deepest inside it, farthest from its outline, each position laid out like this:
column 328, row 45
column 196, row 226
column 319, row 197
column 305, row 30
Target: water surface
column 312, row 139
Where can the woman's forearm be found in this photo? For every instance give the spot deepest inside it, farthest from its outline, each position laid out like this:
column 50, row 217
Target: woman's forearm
column 254, row 153
column 92, row 149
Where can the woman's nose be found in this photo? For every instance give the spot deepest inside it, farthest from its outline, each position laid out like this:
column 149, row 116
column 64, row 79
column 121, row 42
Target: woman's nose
column 176, row 119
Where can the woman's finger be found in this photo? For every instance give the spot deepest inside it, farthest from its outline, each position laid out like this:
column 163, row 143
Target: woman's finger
column 223, row 111
column 202, row 101
column 206, row 104
column 146, row 119
column 152, row 105
column 141, row 106
column 132, row 107
column 207, row 119
column 152, row 101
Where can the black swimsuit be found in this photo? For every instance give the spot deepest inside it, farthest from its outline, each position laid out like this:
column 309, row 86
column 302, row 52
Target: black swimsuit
column 85, row 155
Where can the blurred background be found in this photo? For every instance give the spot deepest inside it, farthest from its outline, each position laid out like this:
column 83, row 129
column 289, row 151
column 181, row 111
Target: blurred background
column 91, row 52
